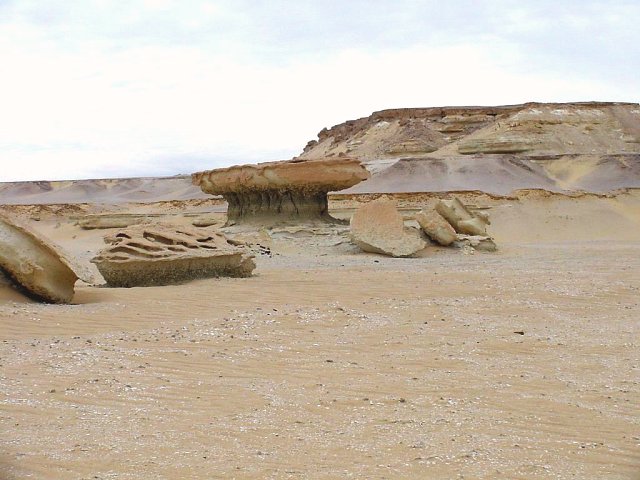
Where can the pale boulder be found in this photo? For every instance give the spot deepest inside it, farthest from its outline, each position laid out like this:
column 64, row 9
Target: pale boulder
column 378, row 227
column 436, row 227
column 461, row 219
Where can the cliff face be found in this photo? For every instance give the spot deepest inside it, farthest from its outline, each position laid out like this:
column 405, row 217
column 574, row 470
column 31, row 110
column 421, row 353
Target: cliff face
column 557, row 146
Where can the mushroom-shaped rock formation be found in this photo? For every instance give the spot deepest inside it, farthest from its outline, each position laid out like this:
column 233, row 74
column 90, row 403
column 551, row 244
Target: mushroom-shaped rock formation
column 148, row 255
column 281, row 191
column 39, row 267
column 378, row 227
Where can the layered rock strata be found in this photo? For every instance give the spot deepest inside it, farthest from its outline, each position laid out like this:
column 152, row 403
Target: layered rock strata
column 378, row 227
column 37, row 266
column 163, row 254
column 281, row 191
column 591, row 146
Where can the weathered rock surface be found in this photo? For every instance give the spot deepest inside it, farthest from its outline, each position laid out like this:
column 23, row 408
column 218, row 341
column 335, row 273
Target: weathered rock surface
column 477, row 242
column 111, row 220
column 436, row 227
column 39, row 267
column 504, row 144
column 461, row 219
column 281, row 191
column 378, row 227
column 146, row 255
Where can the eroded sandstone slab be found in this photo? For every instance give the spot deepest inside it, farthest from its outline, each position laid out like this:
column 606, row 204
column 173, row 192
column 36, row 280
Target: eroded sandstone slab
column 148, row 255
column 378, row 227
column 280, row 191
column 37, row 266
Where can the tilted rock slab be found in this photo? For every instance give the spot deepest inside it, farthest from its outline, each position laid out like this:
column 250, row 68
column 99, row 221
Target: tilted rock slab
column 378, row 227
column 39, row 267
column 288, row 190
column 148, row 255
column 461, row 219
column 436, row 227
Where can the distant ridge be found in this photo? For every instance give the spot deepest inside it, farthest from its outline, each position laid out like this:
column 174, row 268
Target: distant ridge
column 109, row 190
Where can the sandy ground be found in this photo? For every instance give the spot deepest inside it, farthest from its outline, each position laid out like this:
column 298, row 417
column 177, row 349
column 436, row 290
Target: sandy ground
column 330, row 363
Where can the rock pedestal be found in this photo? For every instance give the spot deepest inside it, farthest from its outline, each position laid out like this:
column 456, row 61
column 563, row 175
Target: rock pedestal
column 281, row 191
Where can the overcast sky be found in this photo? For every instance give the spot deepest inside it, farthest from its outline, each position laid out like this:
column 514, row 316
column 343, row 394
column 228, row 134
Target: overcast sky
column 110, row 88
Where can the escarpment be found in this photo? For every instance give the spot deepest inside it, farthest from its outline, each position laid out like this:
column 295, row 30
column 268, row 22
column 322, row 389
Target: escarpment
column 588, row 146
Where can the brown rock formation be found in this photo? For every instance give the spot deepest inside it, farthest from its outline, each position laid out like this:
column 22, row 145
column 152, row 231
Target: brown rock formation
column 39, row 267
column 162, row 254
column 281, row 191
column 378, row 227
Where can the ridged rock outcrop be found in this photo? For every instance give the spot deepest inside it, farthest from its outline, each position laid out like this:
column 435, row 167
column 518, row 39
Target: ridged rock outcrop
column 281, row 191
column 148, row 255
column 591, row 146
column 37, row 266
column 378, row 227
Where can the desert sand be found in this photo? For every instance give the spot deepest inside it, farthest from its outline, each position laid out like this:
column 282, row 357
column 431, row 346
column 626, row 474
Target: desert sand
column 523, row 363
column 332, row 363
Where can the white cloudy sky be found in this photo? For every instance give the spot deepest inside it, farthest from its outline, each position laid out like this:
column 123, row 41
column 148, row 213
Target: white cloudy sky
column 106, row 88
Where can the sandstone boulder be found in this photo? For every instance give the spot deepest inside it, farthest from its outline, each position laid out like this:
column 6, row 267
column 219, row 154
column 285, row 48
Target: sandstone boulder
column 39, row 267
column 147, row 255
column 461, row 219
column 436, row 227
column 378, row 227
column 281, row 191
